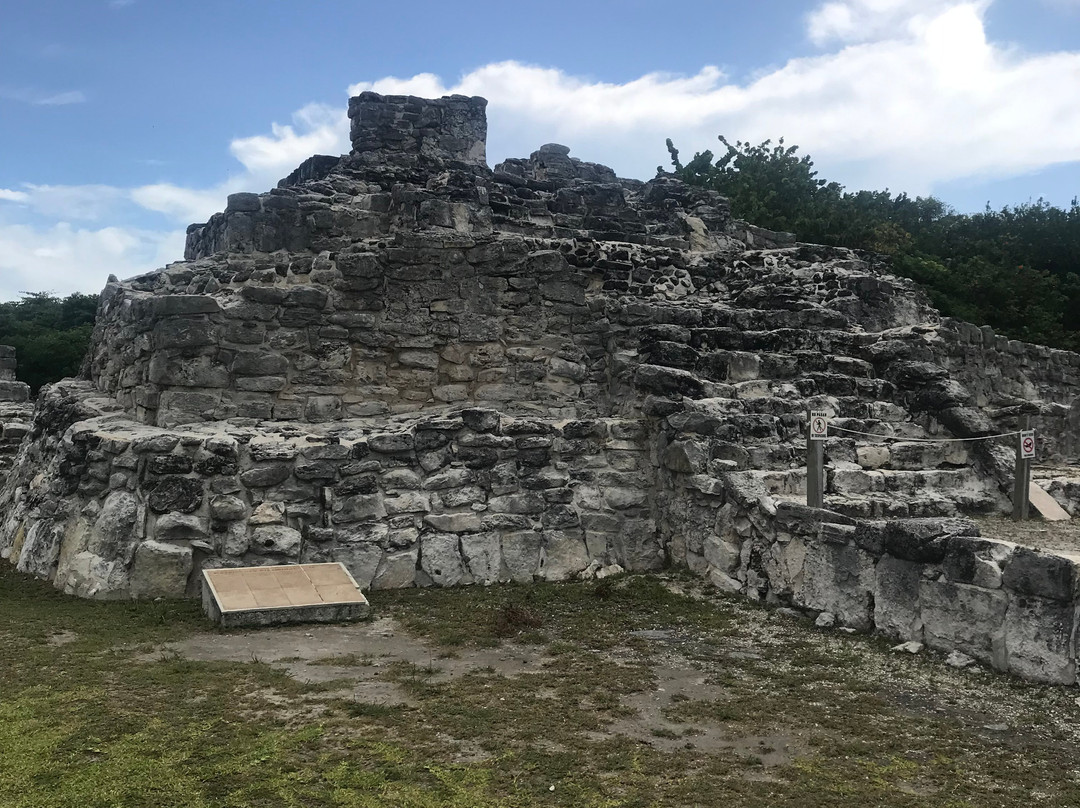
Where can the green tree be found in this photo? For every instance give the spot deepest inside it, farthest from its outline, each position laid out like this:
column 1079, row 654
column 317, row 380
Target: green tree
column 50, row 334
column 1015, row 269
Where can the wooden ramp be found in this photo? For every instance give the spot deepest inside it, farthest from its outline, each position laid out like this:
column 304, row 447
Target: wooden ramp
column 1045, row 504
column 273, row 596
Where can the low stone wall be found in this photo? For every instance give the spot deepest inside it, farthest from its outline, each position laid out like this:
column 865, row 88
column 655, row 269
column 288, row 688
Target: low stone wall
column 934, row 581
column 1009, row 378
column 457, row 497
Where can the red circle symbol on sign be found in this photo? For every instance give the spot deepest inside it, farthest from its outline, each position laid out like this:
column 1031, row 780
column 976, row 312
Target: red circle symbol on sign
column 819, row 426
column 1029, row 444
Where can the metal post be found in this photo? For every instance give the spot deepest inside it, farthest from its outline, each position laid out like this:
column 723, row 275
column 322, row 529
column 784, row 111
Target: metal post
column 815, row 469
column 1022, row 476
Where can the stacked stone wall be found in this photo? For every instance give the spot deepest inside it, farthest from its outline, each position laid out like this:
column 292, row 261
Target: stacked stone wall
column 1009, row 378
column 457, row 497
column 15, row 409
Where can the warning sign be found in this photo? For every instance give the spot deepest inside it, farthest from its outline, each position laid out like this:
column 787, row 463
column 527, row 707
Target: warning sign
column 819, row 424
column 1027, row 444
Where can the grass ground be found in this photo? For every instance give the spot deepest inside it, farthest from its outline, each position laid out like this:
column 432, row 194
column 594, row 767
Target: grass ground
column 634, row 692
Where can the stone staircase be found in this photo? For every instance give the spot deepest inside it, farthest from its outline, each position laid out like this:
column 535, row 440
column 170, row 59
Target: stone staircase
column 759, row 370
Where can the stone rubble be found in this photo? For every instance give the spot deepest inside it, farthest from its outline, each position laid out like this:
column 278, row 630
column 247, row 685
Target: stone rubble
column 15, row 409
column 441, row 374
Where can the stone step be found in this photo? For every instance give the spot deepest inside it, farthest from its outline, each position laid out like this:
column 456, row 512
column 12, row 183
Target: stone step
column 857, row 481
column 912, row 455
column 924, row 505
column 752, row 319
column 825, row 341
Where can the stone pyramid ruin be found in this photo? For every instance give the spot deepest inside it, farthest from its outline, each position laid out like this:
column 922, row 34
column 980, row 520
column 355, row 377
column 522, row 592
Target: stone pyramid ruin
column 437, row 374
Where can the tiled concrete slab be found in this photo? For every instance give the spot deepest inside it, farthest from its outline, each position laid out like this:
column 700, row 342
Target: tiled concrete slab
column 269, row 596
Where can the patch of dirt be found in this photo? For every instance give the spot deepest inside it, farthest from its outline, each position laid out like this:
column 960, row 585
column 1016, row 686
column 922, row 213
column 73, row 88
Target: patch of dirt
column 61, row 638
column 372, row 650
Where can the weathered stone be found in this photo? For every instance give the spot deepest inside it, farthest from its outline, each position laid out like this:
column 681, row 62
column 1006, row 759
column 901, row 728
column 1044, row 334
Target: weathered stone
column 180, row 527
column 1030, row 572
column 276, row 540
column 482, row 554
column 396, row 570
column 181, row 494
column 440, row 558
column 228, row 508
column 160, row 570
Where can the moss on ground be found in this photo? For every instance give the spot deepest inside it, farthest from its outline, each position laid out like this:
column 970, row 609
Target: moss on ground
column 94, row 713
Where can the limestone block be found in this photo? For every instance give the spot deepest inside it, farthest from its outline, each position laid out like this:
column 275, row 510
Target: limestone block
column 88, row 575
column 396, row 570
column 160, row 569
column 1030, row 572
column 268, row 513
column 276, row 540
column 872, row 457
column 182, row 494
column 174, row 527
column 198, row 371
column 686, row 457
column 838, row 579
column 359, row 508
column 185, row 407
column 960, row 617
column 976, row 561
column 264, row 476
column 117, row 527
column 177, row 332
column 896, row 598
column 14, row 391
column 361, row 560
column 623, row 498
column 521, row 555
column 1039, row 640
column 440, row 558
column 391, row 442
column 722, row 553
column 454, row 522
column 562, row 555
column 451, row 478
column 637, row 546
column 407, row 502
column 320, row 409
column 482, row 553
column 235, row 541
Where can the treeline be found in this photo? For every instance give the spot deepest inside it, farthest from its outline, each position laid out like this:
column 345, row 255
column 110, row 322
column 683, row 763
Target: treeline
column 1015, row 269
column 50, row 334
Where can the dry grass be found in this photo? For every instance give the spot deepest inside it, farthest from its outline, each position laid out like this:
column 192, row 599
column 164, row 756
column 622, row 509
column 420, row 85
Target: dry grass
column 643, row 692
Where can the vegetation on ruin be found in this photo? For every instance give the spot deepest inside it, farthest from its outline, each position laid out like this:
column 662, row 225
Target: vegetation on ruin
column 628, row 692
column 1017, row 269
column 50, row 334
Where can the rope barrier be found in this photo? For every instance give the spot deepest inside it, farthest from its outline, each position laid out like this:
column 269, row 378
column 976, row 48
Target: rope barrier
column 923, row 440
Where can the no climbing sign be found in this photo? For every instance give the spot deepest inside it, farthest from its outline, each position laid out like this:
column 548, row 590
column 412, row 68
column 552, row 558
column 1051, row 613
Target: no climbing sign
column 1027, row 444
column 819, row 425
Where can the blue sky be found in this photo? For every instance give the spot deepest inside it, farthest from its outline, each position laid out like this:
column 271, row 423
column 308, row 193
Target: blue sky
column 121, row 121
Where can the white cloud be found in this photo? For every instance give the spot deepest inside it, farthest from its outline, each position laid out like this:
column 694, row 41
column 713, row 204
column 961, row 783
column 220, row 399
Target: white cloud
column 61, row 258
column 39, row 98
column 61, row 99
column 873, row 20
column 322, row 130
column 13, row 196
column 930, row 100
column 85, row 202
column 181, row 204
